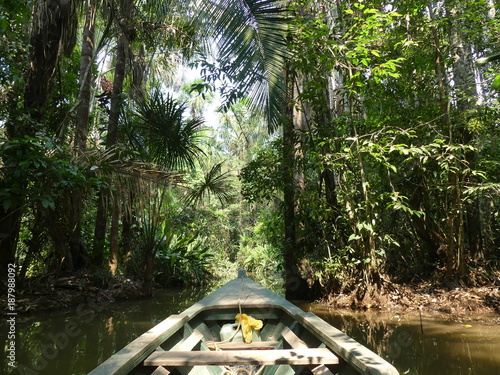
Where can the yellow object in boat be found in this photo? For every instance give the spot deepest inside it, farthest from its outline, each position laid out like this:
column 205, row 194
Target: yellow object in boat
column 248, row 324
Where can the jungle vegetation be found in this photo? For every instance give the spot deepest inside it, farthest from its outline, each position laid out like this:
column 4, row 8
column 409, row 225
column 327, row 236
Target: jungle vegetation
column 355, row 143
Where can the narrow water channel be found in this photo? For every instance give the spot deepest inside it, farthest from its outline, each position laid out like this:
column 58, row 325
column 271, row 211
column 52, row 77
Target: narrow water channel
column 74, row 341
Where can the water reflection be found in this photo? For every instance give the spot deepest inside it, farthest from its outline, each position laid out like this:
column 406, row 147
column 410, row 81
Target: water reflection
column 444, row 348
column 76, row 340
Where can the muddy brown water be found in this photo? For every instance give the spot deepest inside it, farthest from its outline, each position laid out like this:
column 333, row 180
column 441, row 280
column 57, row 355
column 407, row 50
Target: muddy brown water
column 427, row 345
column 76, row 340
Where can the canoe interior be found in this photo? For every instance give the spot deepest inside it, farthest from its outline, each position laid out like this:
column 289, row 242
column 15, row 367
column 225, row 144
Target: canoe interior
column 209, row 323
column 291, row 341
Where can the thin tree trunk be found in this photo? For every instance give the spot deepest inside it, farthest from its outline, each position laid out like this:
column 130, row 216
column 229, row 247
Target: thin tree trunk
column 138, row 87
column 147, row 286
column 100, row 227
column 330, row 109
column 291, row 277
column 369, row 269
column 295, row 286
column 86, row 79
column 116, row 96
column 114, row 236
column 465, row 86
column 423, row 225
column 443, row 87
column 289, row 198
column 127, row 226
column 112, row 135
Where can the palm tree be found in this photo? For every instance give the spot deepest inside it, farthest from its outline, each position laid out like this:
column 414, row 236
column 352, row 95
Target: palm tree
column 248, row 33
column 163, row 140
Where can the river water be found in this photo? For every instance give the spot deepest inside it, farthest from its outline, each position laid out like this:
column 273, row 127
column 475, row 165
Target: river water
column 74, row 341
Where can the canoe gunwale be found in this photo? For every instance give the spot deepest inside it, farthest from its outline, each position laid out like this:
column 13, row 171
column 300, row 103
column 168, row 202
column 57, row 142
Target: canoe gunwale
column 125, row 360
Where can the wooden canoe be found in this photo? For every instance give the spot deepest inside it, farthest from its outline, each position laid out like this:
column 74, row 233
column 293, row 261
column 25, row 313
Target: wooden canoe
column 291, row 341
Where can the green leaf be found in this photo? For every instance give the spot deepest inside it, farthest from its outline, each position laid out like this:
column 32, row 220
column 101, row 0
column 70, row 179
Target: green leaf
column 354, row 237
column 46, row 203
column 4, row 24
column 496, row 83
column 488, row 59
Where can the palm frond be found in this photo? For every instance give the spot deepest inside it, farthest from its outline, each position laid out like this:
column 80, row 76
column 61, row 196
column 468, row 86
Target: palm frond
column 164, row 135
column 250, row 38
column 215, row 183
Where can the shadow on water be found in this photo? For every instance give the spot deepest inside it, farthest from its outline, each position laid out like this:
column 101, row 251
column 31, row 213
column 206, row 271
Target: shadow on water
column 445, row 348
column 76, row 340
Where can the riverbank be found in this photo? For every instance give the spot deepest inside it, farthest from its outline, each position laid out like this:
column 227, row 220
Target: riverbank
column 461, row 303
column 64, row 292
column 465, row 304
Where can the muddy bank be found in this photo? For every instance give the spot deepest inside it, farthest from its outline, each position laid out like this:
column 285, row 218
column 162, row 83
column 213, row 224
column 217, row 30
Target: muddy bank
column 64, row 292
column 458, row 304
column 464, row 304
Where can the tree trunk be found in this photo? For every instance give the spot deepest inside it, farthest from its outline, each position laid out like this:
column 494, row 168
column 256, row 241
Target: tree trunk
column 116, row 95
column 444, row 102
column 147, row 286
column 332, row 107
column 100, row 228
column 465, row 86
column 367, row 246
column 423, row 225
column 127, row 227
column 139, row 71
column 295, row 286
column 52, row 34
column 291, row 284
column 114, row 116
column 114, row 236
column 86, row 79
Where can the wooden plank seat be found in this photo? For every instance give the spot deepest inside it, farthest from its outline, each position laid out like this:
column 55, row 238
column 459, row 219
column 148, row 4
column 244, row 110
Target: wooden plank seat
column 188, row 344
column 295, row 342
column 256, row 345
column 315, row 356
